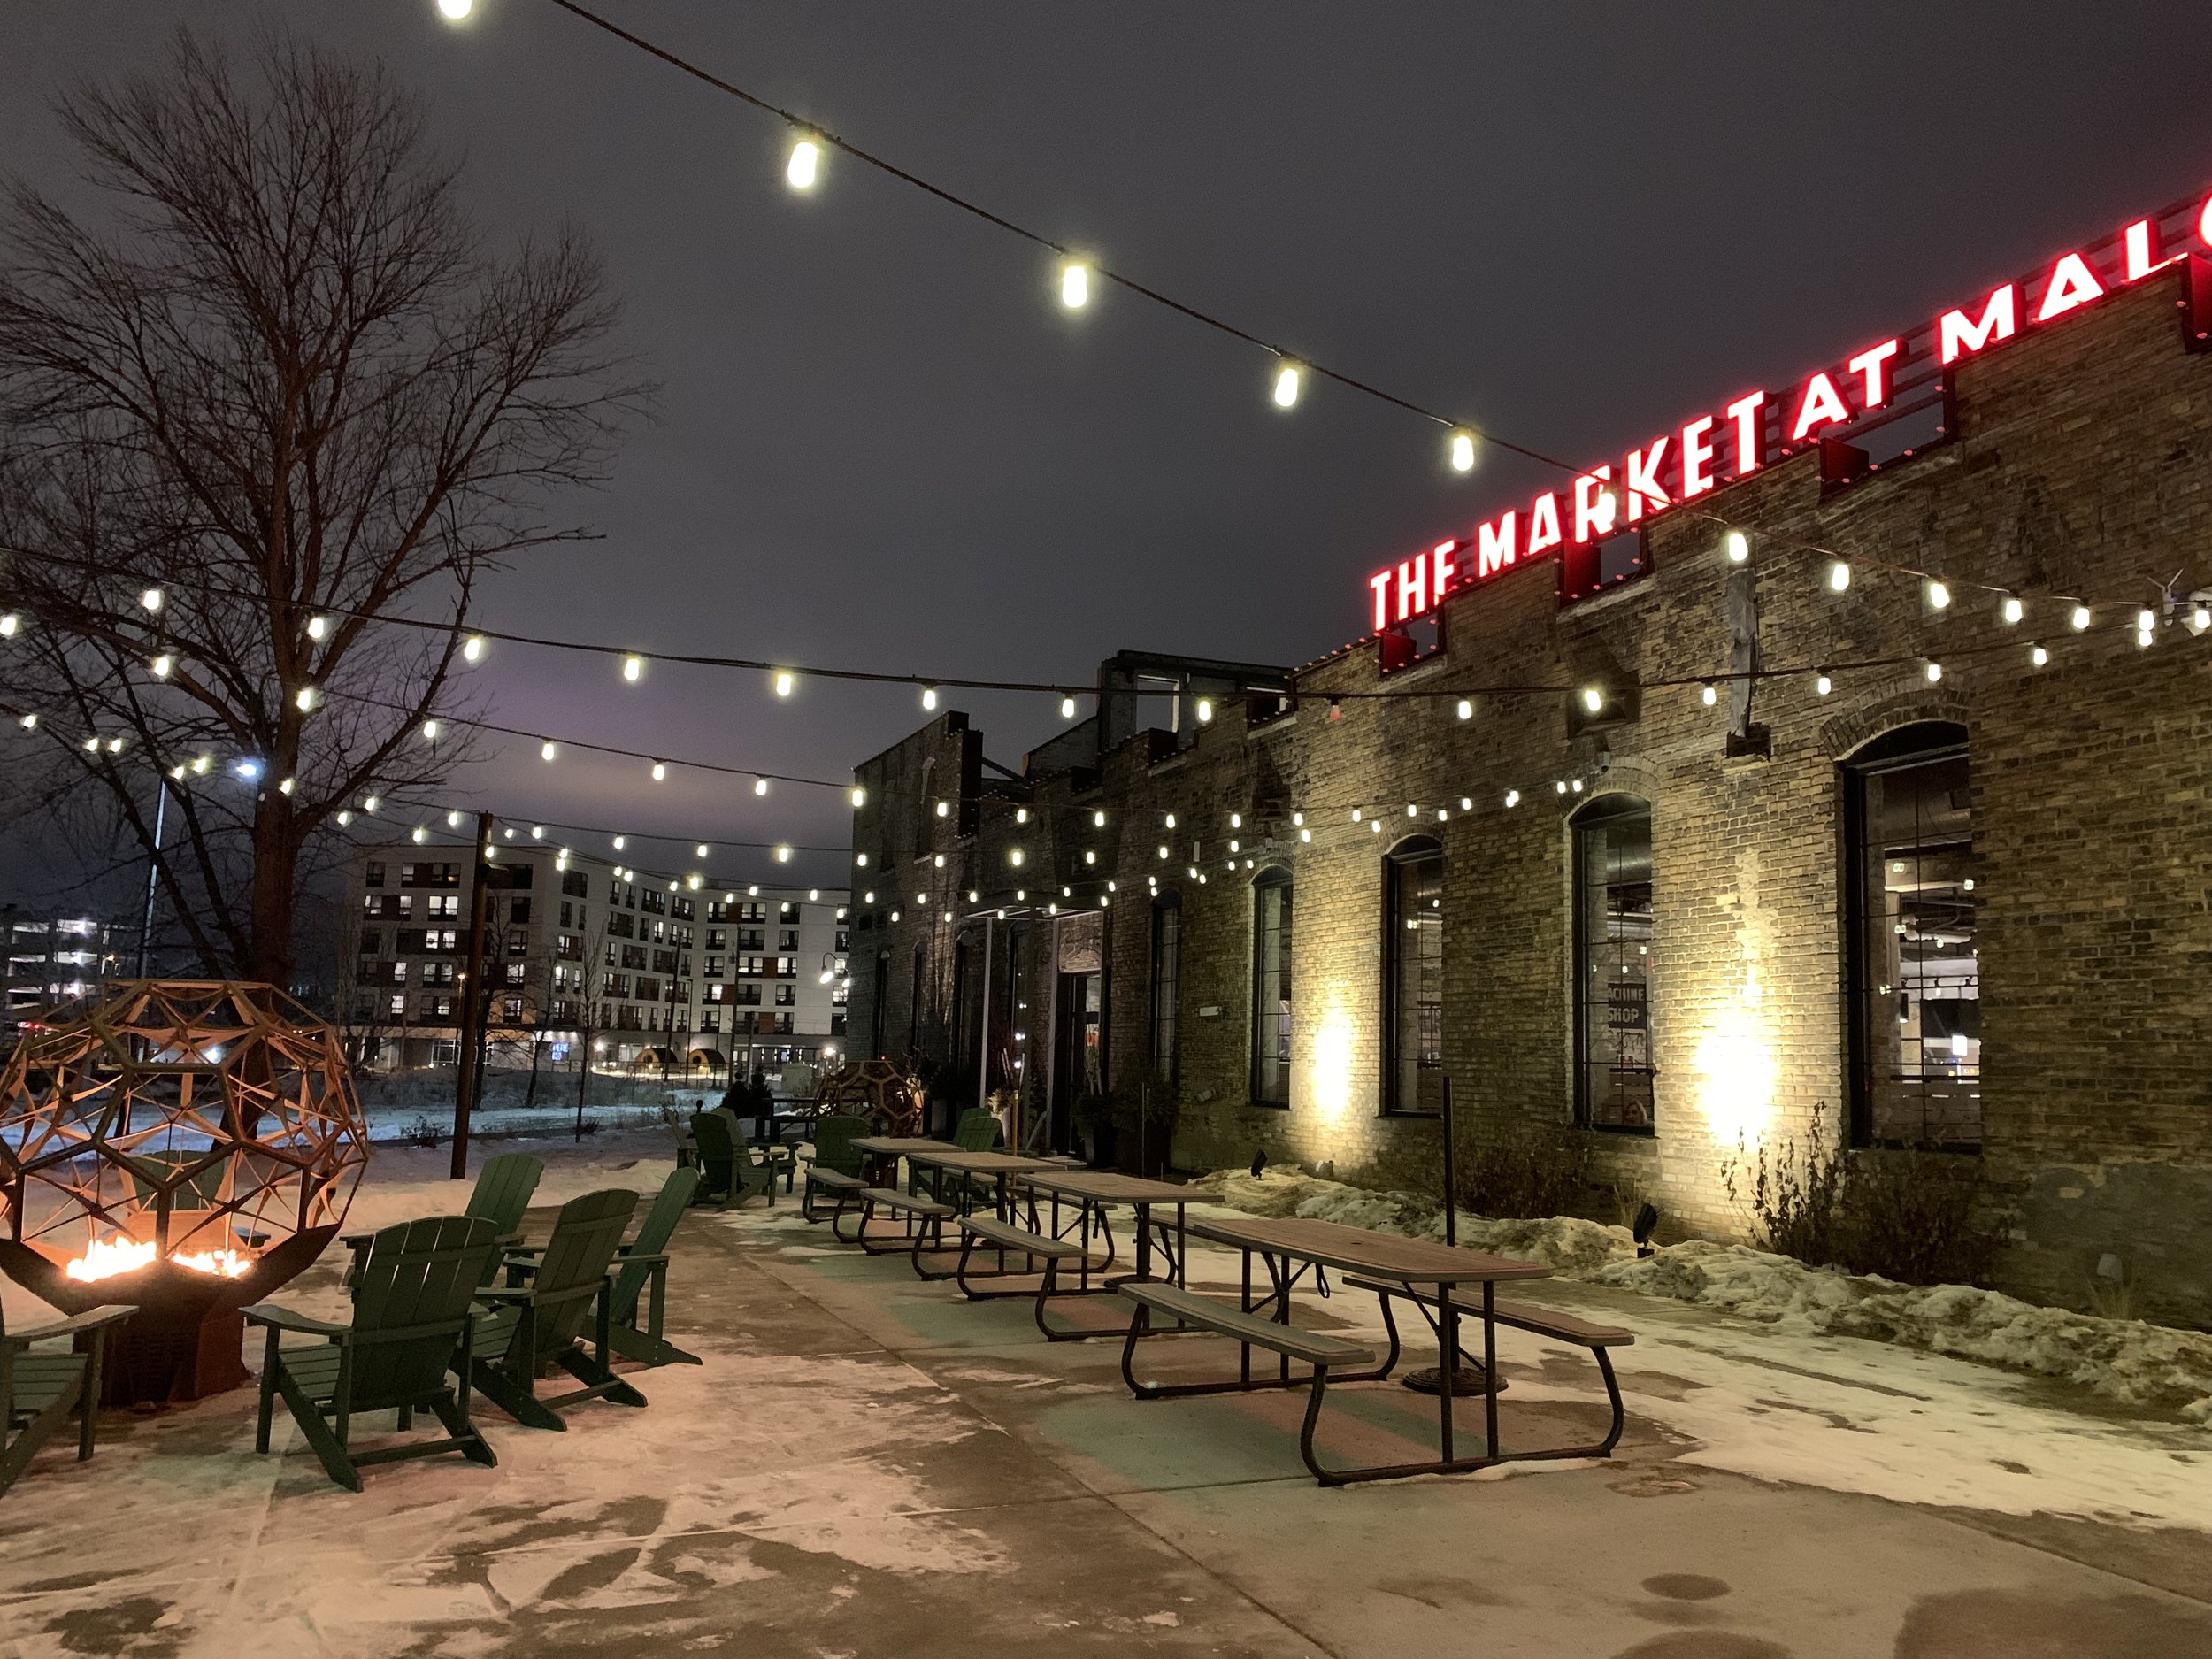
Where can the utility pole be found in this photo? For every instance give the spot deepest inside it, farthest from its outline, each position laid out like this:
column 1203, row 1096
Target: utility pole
column 474, row 998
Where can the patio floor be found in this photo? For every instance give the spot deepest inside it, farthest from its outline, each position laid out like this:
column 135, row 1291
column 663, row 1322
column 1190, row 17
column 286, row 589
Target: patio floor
column 866, row 1466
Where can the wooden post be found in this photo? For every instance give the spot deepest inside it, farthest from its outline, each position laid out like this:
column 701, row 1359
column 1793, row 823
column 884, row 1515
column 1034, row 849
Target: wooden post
column 473, row 1001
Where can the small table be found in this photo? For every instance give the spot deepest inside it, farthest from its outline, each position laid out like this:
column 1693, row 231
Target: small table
column 1100, row 1187
column 1412, row 1262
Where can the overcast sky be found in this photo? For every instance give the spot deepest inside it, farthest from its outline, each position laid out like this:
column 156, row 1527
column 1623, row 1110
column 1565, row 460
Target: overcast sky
column 880, row 441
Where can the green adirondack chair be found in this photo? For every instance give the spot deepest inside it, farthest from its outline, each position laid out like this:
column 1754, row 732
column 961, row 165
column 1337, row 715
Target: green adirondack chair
column 978, row 1130
column 833, row 1135
column 731, row 1171
column 641, row 1264
column 501, row 1194
column 542, row 1322
column 38, row 1391
column 412, row 1322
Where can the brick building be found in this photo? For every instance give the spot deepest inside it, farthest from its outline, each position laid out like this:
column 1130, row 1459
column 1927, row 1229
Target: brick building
column 1686, row 838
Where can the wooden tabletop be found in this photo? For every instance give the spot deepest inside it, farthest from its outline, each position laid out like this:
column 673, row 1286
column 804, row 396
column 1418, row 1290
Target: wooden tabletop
column 1361, row 1250
column 1109, row 1186
column 977, row 1163
column 896, row 1146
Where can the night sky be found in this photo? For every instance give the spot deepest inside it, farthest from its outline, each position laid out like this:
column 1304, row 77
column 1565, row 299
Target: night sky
column 879, row 441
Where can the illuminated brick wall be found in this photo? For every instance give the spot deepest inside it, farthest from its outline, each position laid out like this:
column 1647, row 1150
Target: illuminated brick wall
column 2080, row 462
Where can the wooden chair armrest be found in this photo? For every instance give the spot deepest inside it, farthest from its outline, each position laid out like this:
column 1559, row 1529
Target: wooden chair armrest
column 285, row 1319
column 98, row 1319
column 503, row 1293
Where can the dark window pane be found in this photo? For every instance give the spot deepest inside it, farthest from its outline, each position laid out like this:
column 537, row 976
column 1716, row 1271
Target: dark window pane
column 1613, row 964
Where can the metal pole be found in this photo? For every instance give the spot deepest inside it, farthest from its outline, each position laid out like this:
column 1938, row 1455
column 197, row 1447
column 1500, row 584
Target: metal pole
column 473, row 1000
column 983, row 1046
column 153, row 876
column 1451, row 1185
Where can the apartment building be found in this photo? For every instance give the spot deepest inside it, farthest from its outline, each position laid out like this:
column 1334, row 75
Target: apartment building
column 681, row 978
column 52, row 959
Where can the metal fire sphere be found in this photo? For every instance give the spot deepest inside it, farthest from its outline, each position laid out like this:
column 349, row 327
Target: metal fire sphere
column 183, row 1146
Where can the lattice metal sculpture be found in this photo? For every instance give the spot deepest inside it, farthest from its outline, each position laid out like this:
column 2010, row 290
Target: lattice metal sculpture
column 183, row 1146
column 884, row 1092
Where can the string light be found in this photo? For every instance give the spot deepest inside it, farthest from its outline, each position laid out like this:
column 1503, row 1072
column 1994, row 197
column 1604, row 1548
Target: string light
column 161, row 665
column 1592, row 698
column 10, row 624
column 306, row 699
column 701, row 850
column 929, row 697
column 152, row 599
column 318, row 629
column 30, row 722
column 1021, row 815
column 1466, row 708
column 1708, row 694
column 859, row 797
column 456, row 10
column 2038, row 656
column 1839, row 576
column 1098, row 820
column 2200, row 618
column 473, row 649
column 1934, row 671
column 430, row 730
column 548, row 750
column 633, row 668
column 1067, row 708
column 660, row 772
column 1288, row 378
column 1075, row 285
column 760, row 786
column 1738, row 545
column 1822, row 684
column 2079, row 618
column 2012, row 610
column 1462, row 451
column 1512, row 797
column 453, row 820
column 783, row 682
column 1938, row 596
column 1205, row 709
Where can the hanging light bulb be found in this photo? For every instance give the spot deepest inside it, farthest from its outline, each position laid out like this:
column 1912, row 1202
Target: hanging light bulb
column 701, row 850
column 537, row 832
column 760, row 786
column 368, row 805
column 660, row 772
column 1938, row 596
column 1098, row 820
column 456, row 10
column 419, row 834
column 318, row 629
column 2079, row 617
column 1287, row 381
column 1067, row 708
column 783, row 682
column 30, row 722
column 200, row 762
column 1592, row 698
column 860, row 796
column 344, row 818
column 453, row 820
column 1461, row 449
column 1708, row 694
column 430, row 730
column 633, row 668
column 1205, row 709
column 1513, row 797
column 1236, row 821
column 803, row 166
column 619, row 842
column 1021, row 815
column 548, row 750
column 2038, row 656
column 1075, row 285
column 9, row 625
column 472, row 648
column 783, row 855
column 2012, row 610
column 1355, row 815
column 288, row 786
column 1014, row 856
column 162, row 665
column 1934, row 671
column 1822, row 684
column 1738, row 545
column 944, row 808
column 1839, row 576
column 929, row 697
column 153, row 599
column 1170, row 820
column 1466, row 708
column 306, row 699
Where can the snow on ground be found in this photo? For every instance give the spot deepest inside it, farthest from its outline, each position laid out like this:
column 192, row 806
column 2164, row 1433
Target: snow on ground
column 2128, row 1361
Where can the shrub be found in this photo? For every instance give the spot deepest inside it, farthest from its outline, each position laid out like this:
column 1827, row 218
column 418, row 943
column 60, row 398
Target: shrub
column 1795, row 1194
column 1525, row 1170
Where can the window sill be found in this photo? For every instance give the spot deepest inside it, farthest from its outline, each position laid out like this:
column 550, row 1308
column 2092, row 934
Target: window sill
column 1267, row 1105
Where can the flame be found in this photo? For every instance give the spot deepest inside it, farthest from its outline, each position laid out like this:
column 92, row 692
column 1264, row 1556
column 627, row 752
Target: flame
column 103, row 1258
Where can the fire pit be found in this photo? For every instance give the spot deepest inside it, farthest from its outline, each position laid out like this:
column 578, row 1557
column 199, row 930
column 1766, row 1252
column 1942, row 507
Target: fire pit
column 182, row 1146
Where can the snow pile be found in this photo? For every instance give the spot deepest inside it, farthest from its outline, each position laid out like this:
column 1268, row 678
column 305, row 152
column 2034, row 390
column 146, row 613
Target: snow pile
column 2125, row 1360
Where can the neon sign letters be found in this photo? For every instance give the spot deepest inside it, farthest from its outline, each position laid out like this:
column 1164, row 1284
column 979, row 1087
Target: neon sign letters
column 1887, row 379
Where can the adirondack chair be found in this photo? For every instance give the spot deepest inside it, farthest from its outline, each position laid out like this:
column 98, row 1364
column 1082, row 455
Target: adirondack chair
column 412, row 1322
column 729, row 1170
column 640, row 1262
column 542, row 1322
column 978, row 1130
column 38, row 1391
column 835, row 1156
column 775, row 1154
column 501, row 1194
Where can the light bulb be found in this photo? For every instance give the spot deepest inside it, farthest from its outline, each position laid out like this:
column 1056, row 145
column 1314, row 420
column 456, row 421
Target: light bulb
column 318, row 629
column 633, row 668
column 1236, row 821
column 1934, row 671
column 1067, row 708
column 1559, row 786
column 804, row 165
column 1355, row 815
column 288, row 786
column 1822, row 684
column 453, row 820
column 1738, row 546
column 2012, row 610
column 2079, row 618
column 2200, row 618
column 1098, row 820
column 1014, row 856
column 1708, row 694
column 1592, row 698
column 760, row 786
column 2038, row 656
column 1205, row 709
column 430, row 730
column 1466, row 803
column 944, row 808
column 368, row 805
column 929, row 697
column 548, row 750
column 861, row 860
column 30, row 722
column 1466, row 709
column 537, row 832
column 472, row 648
column 1513, row 797
column 1163, row 851
column 200, row 762
column 783, row 855
column 860, row 796
column 1839, row 576
column 162, row 665
column 660, row 772
column 783, row 682
column 456, row 10
column 1287, row 383
column 1021, row 815
column 306, row 699
column 9, row 625
column 1170, row 820
column 1462, row 450
column 344, row 818
column 153, row 598
column 701, row 850
column 419, row 834
column 1075, row 285
column 619, row 842
column 1938, row 596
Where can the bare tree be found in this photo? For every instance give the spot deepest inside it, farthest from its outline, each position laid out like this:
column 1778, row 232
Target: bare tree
column 283, row 392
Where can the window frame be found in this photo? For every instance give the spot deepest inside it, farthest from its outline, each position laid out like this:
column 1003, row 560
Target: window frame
column 1273, row 879
column 1165, row 1003
column 1411, row 852
column 1614, row 806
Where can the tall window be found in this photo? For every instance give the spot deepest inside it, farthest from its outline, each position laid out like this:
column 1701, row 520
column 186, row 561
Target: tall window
column 1271, row 988
column 1413, row 965
column 914, row 1003
column 1914, row 980
column 1613, row 961
column 1167, row 965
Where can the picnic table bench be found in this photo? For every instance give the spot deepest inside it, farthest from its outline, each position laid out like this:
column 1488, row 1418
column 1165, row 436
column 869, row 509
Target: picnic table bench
column 829, row 1181
column 922, row 1222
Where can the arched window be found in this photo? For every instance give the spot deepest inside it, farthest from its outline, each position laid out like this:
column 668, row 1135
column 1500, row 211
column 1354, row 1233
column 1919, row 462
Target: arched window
column 1413, row 976
column 1271, row 988
column 1613, row 946
column 1167, row 972
column 1912, row 974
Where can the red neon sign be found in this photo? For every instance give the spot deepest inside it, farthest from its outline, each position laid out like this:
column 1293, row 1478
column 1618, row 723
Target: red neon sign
column 1713, row 450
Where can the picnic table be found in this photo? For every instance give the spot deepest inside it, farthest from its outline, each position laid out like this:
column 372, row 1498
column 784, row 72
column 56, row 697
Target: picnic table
column 1094, row 1189
column 996, row 1165
column 1432, row 1275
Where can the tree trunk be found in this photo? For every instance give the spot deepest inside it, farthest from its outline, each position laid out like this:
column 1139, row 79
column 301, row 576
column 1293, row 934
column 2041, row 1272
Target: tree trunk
column 276, row 857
